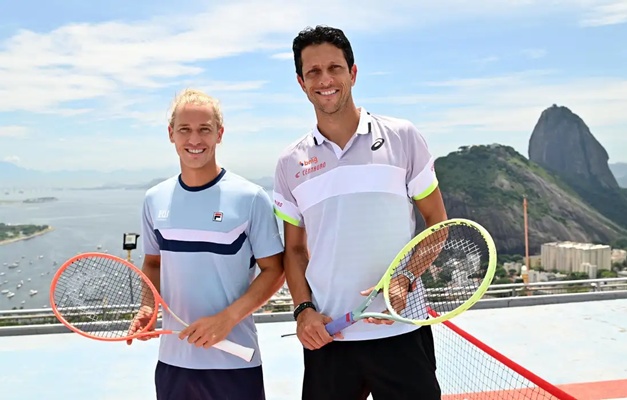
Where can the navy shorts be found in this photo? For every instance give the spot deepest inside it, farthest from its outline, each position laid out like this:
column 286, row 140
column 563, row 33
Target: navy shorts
column 175, row 383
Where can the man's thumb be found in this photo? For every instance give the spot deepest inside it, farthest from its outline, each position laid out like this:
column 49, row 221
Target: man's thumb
column 367, row 291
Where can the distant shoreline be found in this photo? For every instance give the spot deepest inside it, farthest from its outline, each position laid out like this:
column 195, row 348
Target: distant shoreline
column 17, row 239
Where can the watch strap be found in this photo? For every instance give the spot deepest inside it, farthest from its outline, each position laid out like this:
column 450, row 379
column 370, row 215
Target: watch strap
column 302, row 307
column 412, row 278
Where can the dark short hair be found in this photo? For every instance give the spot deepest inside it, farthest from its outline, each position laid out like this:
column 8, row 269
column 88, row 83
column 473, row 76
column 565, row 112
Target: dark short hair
column 319, row 35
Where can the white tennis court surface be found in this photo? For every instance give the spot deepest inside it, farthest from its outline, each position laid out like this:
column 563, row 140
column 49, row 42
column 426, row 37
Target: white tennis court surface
column 581, row 347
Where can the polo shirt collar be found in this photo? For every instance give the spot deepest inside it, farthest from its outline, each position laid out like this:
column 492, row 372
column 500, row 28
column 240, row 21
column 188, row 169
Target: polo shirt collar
column 363, row 128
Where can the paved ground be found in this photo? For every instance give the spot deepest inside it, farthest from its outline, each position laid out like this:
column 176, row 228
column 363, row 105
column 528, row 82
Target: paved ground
column 570, row 345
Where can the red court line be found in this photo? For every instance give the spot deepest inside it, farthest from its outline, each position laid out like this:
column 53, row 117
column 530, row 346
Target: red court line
column 597, row 390
column 603, row 390
column 512, row 394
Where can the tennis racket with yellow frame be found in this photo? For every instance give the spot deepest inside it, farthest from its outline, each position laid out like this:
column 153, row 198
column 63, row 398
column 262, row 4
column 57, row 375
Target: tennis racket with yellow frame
column 447, row 268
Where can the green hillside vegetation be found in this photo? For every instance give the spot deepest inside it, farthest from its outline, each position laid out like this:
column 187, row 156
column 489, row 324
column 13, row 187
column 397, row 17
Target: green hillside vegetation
column 15, row 231
column 488, row 184
column 492, row 176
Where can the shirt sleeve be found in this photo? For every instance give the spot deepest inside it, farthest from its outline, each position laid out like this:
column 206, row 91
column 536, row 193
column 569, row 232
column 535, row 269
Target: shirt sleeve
column 285, row 206
column 421, row 177
column 263, row 232
column 148, row 237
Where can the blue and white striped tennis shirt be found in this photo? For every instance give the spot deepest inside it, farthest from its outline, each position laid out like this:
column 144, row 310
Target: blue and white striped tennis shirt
column 208, row 238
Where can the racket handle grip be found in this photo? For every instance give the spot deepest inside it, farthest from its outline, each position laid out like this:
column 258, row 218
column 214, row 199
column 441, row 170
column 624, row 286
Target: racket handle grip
column 245, row 353
column 340, row 324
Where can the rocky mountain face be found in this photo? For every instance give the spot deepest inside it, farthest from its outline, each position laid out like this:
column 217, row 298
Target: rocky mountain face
column 562, row 143
column 488, row 183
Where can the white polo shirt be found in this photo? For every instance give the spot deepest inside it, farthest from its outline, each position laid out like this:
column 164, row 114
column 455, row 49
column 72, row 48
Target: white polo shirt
column 355, row 204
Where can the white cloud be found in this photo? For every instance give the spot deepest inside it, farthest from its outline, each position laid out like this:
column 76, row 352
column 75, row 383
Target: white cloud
column 79, row 62
column 12, row 159
column 505, row 108
column 13, row 131
column 283, row 56
column 43, row 71
column 609, row 12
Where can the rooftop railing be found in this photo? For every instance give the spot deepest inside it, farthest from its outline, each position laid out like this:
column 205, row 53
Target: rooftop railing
column 278, row 309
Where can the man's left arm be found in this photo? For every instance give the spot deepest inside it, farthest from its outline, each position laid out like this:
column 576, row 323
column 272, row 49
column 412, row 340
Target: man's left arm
column 423, row 188
column 267, row 249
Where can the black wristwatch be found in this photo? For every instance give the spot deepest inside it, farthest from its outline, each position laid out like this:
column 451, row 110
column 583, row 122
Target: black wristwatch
column 302, row 306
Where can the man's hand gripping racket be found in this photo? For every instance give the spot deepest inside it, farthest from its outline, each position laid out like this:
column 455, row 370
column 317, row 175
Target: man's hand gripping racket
column 447, row 268
column 104, row 297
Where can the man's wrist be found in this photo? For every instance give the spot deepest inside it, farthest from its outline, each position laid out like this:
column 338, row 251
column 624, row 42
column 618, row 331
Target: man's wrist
column 411, row 278
column 231, row 316
column 302, row 307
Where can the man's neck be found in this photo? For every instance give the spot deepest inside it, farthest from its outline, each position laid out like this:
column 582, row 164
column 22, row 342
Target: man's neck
column 340, row 126
column 202, row 176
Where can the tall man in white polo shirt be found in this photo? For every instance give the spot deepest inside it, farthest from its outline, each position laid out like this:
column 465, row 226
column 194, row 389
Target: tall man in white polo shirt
column 344, row 192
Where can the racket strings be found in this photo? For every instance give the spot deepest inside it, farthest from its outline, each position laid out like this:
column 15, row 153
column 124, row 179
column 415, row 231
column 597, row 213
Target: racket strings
column 101, row 296
column 450, row 263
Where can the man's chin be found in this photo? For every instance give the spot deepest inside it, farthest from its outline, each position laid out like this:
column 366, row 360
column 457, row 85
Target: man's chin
column 329, row 110
column 195, row 164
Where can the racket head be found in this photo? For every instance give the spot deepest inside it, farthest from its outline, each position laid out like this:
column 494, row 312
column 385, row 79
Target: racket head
column 97, row 295
column 464, row 258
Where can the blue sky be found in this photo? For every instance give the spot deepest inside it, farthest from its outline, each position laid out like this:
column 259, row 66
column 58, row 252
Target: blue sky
column 87, row 85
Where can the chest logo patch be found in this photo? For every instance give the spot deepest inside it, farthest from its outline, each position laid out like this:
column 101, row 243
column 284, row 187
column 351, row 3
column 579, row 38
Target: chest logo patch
column 377, row 144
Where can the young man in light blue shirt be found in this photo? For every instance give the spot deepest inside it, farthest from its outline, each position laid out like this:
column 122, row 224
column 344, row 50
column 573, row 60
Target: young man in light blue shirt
column 204, row 231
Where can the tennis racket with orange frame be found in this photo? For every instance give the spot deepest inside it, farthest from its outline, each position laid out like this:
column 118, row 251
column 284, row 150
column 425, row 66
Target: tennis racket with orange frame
column 99, row 296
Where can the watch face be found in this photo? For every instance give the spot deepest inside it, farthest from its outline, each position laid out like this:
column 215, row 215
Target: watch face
column 409, row 275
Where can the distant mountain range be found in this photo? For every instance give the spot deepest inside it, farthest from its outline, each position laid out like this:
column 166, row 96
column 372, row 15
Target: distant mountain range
column 620, row 173
column 13, row 176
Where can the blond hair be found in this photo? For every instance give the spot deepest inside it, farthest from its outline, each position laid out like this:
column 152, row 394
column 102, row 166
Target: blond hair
column 198, row 98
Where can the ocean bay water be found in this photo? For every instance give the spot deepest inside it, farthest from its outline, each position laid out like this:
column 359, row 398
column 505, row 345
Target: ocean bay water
column 82, row 221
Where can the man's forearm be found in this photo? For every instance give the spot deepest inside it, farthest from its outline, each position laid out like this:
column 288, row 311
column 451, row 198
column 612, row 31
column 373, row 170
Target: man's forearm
column 296, row 261
column 153, row 271
column 267, row 283
column 425, row 254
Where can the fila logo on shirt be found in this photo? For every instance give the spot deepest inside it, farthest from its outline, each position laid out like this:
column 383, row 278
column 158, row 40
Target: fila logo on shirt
column 163, row 214
column 217, row 216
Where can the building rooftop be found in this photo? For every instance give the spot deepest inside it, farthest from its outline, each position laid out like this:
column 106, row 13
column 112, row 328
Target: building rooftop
column 577, row 245
column 579, row 347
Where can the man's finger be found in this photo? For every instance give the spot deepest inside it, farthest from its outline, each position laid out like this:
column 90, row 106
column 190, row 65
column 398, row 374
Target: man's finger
column 193, row 336
column 367, row 291
column 305, row 342
column 185, row 332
